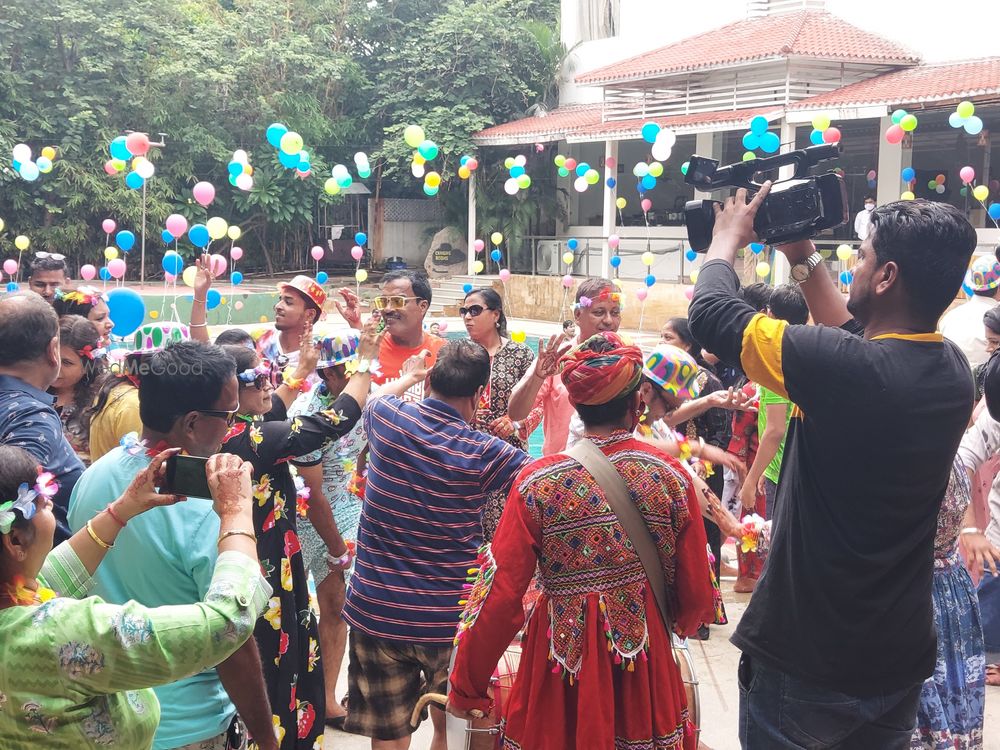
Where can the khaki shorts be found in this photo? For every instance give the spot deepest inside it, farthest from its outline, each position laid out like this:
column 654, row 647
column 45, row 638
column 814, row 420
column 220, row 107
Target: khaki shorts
column 385, row 679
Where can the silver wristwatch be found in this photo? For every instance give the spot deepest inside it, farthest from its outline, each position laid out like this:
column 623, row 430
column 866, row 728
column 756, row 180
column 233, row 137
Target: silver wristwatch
column 802, row 271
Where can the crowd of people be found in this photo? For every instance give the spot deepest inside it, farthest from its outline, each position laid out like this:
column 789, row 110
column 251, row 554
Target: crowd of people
column 849, row 448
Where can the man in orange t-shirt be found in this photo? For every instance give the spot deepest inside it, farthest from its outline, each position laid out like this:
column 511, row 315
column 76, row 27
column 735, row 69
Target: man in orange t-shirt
column 403, row 304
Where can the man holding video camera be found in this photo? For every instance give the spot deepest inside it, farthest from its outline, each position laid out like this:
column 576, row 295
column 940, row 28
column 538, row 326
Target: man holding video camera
column 839, row 635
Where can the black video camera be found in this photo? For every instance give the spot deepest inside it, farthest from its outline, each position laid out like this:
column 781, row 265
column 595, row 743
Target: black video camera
column 795, row 209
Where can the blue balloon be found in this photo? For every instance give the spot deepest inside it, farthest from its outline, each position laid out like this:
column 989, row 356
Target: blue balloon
column 105, row 275
column 751, row 141
column 125, row 240
column 956, row 120
column 649, row 132
column 758, row 125
column 572, row 243
column 496, row 256
column 846, row 277
column 288, row 161
column 994, row 211
column 516, row 171
column 360, row 238
column 198, row 234
column 119, row 150
column 648, row 182
column 816, row 138
column 650, row 280
column 16, row 165
column 126, row 309
column 213, row 299
column 582, row 168
column 908, row 174
column 321, row 278
column 236, row 277
column 134, row 180
column 770, row 142
column 467, row 288
column 615, row 261
column 11, row 286
column 463, row 161
column 756, row 248
column 166, row 237
column 872, row 183
column 172, row 263
column 303, row 167
column 235, row 168
column 612, row 182
column 274, row 133
column 690, row 254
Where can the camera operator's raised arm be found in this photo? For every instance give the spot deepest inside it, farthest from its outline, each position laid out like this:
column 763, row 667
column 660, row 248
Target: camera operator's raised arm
column 826, row 304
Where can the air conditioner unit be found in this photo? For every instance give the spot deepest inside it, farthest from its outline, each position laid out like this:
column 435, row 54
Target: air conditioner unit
column 549, row 256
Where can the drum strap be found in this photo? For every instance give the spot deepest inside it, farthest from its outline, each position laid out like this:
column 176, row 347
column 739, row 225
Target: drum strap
column 615, row 490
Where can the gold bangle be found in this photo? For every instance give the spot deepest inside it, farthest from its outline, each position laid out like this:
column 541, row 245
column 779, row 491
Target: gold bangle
column 97, row 540
column 237, row 532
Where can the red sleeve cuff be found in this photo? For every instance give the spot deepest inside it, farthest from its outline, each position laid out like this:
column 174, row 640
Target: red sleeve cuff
column 464, row 703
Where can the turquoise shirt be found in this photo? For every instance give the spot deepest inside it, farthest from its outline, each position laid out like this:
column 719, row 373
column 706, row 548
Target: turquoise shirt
column 167, row 557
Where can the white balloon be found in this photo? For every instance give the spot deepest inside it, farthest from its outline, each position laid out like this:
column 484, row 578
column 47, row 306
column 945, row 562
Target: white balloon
column 339, row 170
column 244, row 181
column 145, row 169
column 641, row 169
column 417, row 170
column 510, row 186
column 660, row 151
column 667, row 137
column 21, row 153
column 240, row 155
column 520, row 160
column 580, row 184
column 939, row 189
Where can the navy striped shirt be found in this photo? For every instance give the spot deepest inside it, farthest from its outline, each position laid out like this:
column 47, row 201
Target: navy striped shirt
column 428, row 475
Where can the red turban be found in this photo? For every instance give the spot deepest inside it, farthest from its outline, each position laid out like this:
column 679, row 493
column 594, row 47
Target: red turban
column 601, row 369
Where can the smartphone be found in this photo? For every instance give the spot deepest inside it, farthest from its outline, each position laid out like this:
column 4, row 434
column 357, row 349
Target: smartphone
column 186, row 475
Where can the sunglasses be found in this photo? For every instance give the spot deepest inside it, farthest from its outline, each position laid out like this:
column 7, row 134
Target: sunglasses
column 54, row 256
column 395, row 302
column 258, row 376
column 474, row 310
column 229, row 416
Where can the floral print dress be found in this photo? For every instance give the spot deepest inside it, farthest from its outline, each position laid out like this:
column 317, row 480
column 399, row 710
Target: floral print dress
column 287, row 634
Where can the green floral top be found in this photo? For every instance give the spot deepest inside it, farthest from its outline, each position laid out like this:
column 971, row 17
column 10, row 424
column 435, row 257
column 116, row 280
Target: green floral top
column 75, row 672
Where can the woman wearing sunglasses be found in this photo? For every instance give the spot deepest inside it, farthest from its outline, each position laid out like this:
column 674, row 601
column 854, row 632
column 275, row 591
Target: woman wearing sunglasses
column 89, row 303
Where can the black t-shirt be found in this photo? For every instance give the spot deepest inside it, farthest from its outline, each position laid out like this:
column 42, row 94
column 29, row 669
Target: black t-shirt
column 845, row 598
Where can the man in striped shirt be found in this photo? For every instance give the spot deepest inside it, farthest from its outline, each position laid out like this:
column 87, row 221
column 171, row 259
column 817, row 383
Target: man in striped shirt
column 428, row 475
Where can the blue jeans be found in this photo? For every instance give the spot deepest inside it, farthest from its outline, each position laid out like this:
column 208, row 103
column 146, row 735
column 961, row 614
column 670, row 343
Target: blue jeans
column 989, row 608
column 778, row 710
column 770, row 493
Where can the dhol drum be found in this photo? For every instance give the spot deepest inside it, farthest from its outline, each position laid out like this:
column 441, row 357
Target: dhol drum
column 682, row 655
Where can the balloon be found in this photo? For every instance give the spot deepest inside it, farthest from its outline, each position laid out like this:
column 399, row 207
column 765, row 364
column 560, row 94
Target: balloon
column 189, row 275
column 613, row 241
column 580, row 184
column 516, row 171
column 239, row 306
column 690, row 254
column 751, row 141
column 908, row 174
column 646, row 204
column 291, row 142
column 104, row 273
column 331, row 187
column 611, row 182
column 21, row 152
column 648, row 182
column 428, row 150
column 844, row 252
column 956, row 120
column 981, row 192
column 894, row 134
column 520, row 160
column 846, row 277
column 932, row 185
column 570, row 163
column 496, row 238
column 213, row 299
column 234, row 168
column 169, row 278
column 204, row 193
column 770, row 142
column 762, row 269
column 44, row 165
column 655, row 169
column 994, row 211
column 125, row 240
column 898, row 115
column 172, row 263
column 648, row 258
column 472, row 164
column 615, row 261
column 321, row 278
column 649, row 132
column 567, row 281
column 234, row 233
column 430, row 191
column 467, row 288
column 198, row 235
column 217, row 227
column 831, row 135
column 650, row 280
column 973, row 126
column 463, row 172
column 524, row 181
column 108, row 225
column 357, row 252
column 219, row 264
column 872, row 174
column 641, row 169
column 244, row 182
column 756, row 248
column 317, row 253
column 908, row 123
column 478, row 245
column 119, row 150
column 110, row 253
column 109, row 167
column 119, row 165
column 965, row 109
column 126, row 309
column 116, row 268
column 816, row 137
column 758, row 125
column 275, row 131
column 176, row 224
column 236, row 278
column 21, row 242
column 749, row 156
column 819, row 122
column 166, row 237
column 477, row 267
column 967, row 174
column 28, row 171
column 361, row 275
column 137, row 143
column 496, row 255
column 134, row 180
column 907, row 196
column 236, row 253
column 568, row 258
column 414, row 136
column 504, row 274
column 621, row 203
column 10, row 266
column 641, row 293
column 433, row 179
column 939, row 189
column 559, row 160
column 288, row 161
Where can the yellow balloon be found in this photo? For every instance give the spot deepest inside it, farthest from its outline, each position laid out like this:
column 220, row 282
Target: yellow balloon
column 496, row 238
column 821, row 122
column 463, row 172
column 361, row 275
column 49, row 153
column 247, row 169
column 656, row 169
column 263, row 318
column 222, row 300
column 432, row 179
column 154, row 314
column 844, row 252
column 110, row 253
column 617, row 282
column 217, row 227
column 907, row 196
column 694, row 276
column 418, row 159
column 188, row 276
column 763, row 269
column 1, row 225
column 621, row 203
column 568, row 258
column 518, row 336
column 648, row 258
column 330, row 186
column 981, row 192
column 414, row 135
column 118, row 164
column 234, row 233
column 21, row 242
column 477, row 267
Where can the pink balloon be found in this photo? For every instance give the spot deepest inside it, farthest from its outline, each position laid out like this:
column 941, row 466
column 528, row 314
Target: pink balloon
column 357, row 252
column 169, row 277
column 968, row 174
column 177, row 225
column 894, row 134
column 10, row 266
column 567, row 281
column 116, row 268
column 219, row 264
column 478, row 245
column 504, row 274
column 204, row 193
column 236, row 253
column 108, row 225
column 646, row 205
column 87, row 272
column 613, row 241
column 688, row 292
column 238, row 305
column 831, row 135
column 109, row 167
column 641, row 293
column 137, row 143
column 611, row 162
column 442, row 327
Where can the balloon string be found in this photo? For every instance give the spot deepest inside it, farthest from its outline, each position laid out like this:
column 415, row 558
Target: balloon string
column 642, row 312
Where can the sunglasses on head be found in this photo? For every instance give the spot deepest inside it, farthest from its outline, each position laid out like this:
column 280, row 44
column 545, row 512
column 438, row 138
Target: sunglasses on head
column 393, row 302
column 258, row 376
column 54, row 256
column 474, row 310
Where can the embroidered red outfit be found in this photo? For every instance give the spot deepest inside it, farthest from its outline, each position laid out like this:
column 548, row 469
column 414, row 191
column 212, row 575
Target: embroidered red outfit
column 744, row 445
column 597, row 669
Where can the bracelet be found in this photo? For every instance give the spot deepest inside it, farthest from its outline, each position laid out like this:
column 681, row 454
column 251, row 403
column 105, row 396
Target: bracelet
column 237, row 532
column 362, row 365
column 684, row 446
column 198, row 300
column 970, row 530
column 97, row 540
column 114, row 515
column 516, row 425
column 343, row 561
column 197, row 325
column 294, row 383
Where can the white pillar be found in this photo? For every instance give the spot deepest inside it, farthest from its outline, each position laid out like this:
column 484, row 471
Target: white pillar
column 892, row 160
column 708, row 145
column 472, row 223
column 610, row 209
column 780, row 268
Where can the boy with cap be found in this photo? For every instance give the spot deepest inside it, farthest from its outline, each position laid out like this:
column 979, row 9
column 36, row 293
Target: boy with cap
column 299, row 307
column 964, row 324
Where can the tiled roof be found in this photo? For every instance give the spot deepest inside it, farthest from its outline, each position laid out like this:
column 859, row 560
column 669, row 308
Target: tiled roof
column 812, row 34
column 706, row 121
column 555, row 126
column 923, row 83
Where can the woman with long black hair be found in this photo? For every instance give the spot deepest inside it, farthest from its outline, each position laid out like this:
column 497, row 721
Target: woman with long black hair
column 82, row 366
